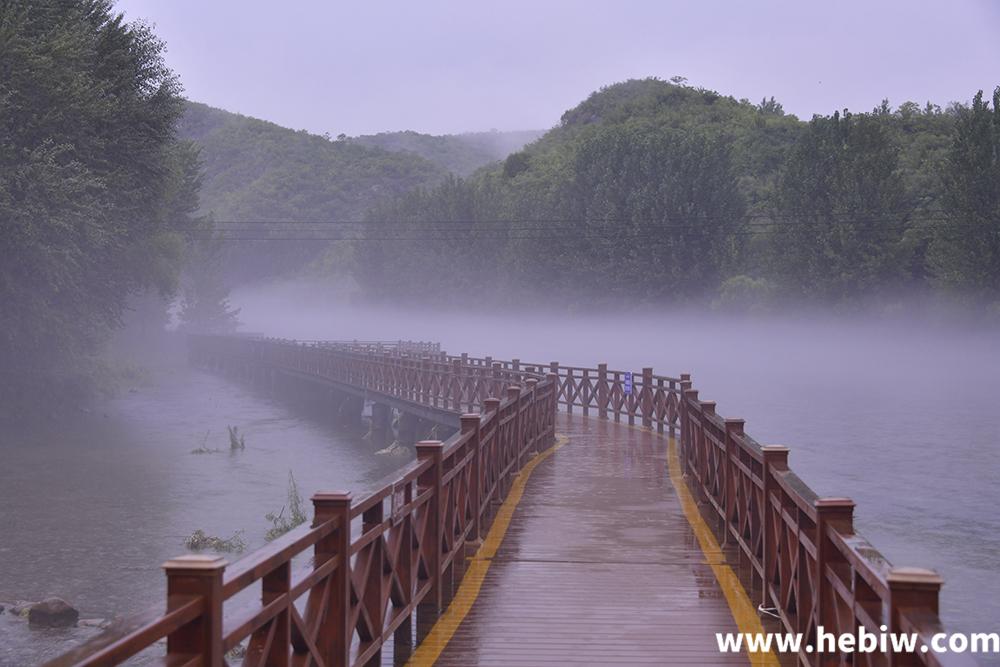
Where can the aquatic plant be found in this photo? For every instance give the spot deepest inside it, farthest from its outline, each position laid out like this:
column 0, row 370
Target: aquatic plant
column 203, row 448
column 280, row 523
column 200, row 541
column 236, row 440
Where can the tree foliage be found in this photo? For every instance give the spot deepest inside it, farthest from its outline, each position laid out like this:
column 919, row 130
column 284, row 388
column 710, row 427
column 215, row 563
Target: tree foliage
column 259, row 172
column 651, row 191
column 840, row 209
column 460, row 154
column 95, row 193
column 966, row 248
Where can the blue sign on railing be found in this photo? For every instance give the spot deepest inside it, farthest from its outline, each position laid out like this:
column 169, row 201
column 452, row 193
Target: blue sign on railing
column 628, row 383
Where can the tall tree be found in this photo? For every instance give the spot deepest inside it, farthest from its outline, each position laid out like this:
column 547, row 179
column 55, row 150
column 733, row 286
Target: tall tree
column 965, row 253
column 840, row 210
column 657, row 208
column 94, row 190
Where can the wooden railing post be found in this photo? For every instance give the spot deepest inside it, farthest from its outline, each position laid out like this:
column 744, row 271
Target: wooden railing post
column 554, row 370
column 274, row 650
column 551, row 410
column 689, row 398
column 514, row 396
column 734, row 429
column 334, row 639
column 913, row 588
column 455, row 384
column 196, row 575
column 647, row 397
column 373, row 519
column 470, row 425
column 425, row 382
column 497, row 383
column 532, row 432
column 831, row 513
column 775, row 460
column 602, row 391
column 491, row 404
column 432, row 450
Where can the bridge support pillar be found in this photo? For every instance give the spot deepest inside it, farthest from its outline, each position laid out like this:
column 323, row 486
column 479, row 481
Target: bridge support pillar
column 381, row 424
column 407, row 429
column 350, row 409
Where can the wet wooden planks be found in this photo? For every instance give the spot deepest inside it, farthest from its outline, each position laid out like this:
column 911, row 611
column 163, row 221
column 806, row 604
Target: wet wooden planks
column 599, row 565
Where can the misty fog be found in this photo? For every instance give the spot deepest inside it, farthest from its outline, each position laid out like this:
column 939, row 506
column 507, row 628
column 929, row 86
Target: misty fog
column 899, row 414
column 812, row 232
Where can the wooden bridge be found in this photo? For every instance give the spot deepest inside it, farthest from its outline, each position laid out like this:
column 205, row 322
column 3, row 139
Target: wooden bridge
column 574, row 516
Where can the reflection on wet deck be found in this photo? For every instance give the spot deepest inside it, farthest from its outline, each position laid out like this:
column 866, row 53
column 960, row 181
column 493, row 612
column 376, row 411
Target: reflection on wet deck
column 598, row 566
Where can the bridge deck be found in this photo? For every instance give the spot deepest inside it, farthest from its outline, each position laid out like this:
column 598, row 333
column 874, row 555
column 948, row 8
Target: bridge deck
column 599, row 565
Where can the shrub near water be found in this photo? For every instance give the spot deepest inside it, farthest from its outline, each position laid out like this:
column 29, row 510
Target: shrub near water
column 236, row 440
column 200, row 541
column 290, row 515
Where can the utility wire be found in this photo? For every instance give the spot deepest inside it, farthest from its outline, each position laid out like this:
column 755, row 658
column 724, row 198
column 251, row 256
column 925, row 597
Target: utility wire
column 789, row 218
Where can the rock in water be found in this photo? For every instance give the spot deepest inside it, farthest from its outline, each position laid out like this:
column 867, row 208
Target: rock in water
column 53, row 613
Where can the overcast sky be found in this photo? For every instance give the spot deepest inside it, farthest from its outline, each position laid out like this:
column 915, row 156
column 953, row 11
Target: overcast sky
column 451, row 66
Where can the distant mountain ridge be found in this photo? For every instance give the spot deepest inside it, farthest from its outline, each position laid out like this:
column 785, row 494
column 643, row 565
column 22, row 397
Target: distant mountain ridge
column 461, row 154
column 258, row 170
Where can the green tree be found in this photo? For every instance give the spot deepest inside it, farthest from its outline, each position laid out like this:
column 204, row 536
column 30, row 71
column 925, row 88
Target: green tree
column 965, row 252
column 94, row 191
column 205, row 306
column 839, row 210
column 657, row 208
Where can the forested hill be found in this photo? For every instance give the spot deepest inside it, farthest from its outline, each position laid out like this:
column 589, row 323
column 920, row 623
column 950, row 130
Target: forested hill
column 257, row 170
column 254, row 170
column 657, row 192
column 461, row 154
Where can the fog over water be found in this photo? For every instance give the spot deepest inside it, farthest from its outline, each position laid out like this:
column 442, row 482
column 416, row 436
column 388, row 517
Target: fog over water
column 900, row 415
column 817, row 184
column 128, row 490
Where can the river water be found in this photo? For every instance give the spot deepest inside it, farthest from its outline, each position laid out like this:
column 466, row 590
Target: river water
column 93, row 505
column 904, row 419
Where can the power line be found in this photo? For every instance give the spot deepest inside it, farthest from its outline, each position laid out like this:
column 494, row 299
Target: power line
column 537, row 229
column 764, row 220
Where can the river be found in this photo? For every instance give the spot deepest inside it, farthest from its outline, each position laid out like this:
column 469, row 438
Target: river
column 94, row 504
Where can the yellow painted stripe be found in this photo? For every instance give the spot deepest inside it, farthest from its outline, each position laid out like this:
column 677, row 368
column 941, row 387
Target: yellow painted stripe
column 444, row 629
column 744, row 612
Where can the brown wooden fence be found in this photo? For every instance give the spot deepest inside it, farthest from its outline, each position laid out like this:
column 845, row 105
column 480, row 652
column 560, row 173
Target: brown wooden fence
column 811, row 568
column 333, row 592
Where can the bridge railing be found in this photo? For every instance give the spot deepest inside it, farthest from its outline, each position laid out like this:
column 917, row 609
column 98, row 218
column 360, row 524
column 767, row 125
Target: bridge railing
column 636, row 396
column 812, row 568
column 408, row 346
column 428, row 378
column 333, row 592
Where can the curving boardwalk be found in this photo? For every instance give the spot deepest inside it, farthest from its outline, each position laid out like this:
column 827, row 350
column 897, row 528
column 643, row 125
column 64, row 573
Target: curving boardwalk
column 571, row 539
column 599, row 565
